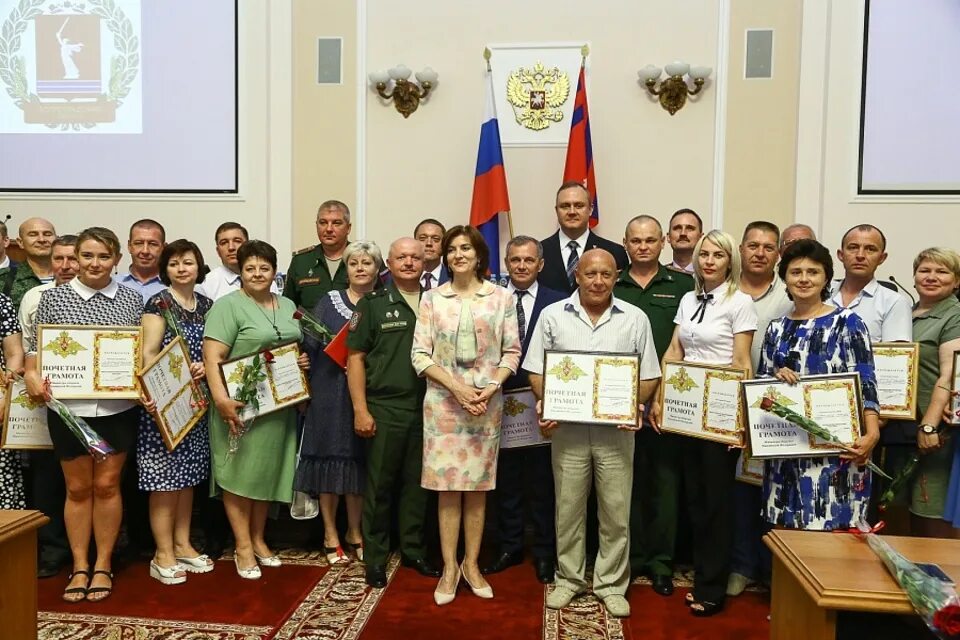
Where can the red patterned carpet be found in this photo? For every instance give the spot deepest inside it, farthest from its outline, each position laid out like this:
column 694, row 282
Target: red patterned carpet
column 306, row 599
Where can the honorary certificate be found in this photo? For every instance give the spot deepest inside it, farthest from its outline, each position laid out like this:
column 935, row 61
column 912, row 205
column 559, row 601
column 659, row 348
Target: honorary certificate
column 749, row 469
column 833, row 401
column 24, row 419
column 896, row 367
column 593, row 388
column 89, row 361
column 955, row 387
column 519, row 426
column 167, row 381
column 285, row 384
column 702, row 401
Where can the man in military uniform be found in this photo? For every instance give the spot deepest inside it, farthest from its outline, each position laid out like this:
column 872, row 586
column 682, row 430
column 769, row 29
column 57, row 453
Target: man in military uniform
column 657, row 291
column 36, row 238
column 387, row 401
column 316, row 270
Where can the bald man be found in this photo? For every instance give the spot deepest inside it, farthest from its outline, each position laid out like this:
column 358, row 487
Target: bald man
column 36, row 238
column 582, row 455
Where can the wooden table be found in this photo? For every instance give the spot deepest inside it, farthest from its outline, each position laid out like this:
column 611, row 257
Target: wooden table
column 18, row 572
column 816, row 574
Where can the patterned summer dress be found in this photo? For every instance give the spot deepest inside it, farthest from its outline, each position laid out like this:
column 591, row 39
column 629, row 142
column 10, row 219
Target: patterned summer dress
column 189, row 463
column 818, row 493
column 11, row 477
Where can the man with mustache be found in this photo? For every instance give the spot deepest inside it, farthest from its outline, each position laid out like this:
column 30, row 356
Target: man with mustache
column 684, row 231
column 758, row 259
column 226, row 278
column 586, row 455
column 146, row 240
column 563, row 250
column 387, row 397
column 319, row 269
column 655, row 501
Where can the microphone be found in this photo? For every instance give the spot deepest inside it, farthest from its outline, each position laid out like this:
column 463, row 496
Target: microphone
column 904, row 289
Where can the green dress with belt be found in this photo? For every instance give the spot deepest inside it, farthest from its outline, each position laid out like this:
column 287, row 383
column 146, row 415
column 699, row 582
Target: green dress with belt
column 264, row 466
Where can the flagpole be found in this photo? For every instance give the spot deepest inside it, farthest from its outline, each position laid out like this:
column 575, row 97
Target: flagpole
column 486, row 56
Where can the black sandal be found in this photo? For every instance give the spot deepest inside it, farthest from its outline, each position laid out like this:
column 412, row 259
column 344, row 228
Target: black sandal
column 705, row 609
column 104, row 590
column 73, row 590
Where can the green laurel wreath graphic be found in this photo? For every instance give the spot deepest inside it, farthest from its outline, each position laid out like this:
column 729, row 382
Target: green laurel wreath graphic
column 123, row 67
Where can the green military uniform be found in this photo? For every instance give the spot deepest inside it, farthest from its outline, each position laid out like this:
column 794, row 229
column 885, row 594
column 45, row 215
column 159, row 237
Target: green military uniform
column 656, row 463
column 19, row 283
column 308, row 278
column 382, row 327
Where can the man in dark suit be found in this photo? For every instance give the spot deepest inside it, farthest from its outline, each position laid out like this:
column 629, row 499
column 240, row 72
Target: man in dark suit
column 430, row 233
column 562, row 250
column 526, row 469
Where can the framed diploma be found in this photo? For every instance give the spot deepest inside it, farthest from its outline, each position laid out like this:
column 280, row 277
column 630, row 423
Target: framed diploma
column 520, row 426
column 833, row 401
column 284, row 386
column 749, row 469
column 590, row 387
column 24, row 419
column 702, row 401
column 955, row 390
column 167, row 381
column 90, row 361
column 896, row 364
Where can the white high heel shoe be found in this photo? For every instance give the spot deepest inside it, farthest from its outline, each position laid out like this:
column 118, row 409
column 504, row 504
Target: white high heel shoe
column 269, row 561
column 252, row 573
column 167, row 575
column 200, row 564
column 482, row 592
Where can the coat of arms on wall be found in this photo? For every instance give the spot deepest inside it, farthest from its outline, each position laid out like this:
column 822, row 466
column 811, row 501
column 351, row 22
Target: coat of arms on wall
column 537, row 95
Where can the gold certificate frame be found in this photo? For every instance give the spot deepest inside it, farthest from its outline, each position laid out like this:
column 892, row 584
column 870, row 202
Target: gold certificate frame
column 520, row 425
column 897, row 368
column 749, row 469
column 90, row 361
column 834, row 401
column 284, row 386
column 702, row 401
column 955, row 390
column 590, row 387
column 179, row 401
column 24, row 420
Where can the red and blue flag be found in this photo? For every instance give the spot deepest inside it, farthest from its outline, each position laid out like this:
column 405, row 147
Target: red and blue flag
column 579, row 165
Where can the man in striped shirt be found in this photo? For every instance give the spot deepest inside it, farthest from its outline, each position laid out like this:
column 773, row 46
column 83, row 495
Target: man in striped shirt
column 591, row 319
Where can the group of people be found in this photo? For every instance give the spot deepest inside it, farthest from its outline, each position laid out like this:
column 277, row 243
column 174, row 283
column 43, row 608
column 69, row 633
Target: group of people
column 433, row 345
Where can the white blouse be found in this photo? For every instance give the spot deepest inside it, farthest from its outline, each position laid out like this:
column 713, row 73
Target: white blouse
column 709, row 340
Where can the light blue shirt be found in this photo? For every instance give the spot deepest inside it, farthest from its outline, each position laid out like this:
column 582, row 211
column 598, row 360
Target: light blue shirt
column 145, row 289
column 886, row 313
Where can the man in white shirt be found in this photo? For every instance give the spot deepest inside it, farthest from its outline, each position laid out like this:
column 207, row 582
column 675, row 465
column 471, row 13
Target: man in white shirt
column 759, row 254
column 886, row 313
column 585, row 455
column 146, row 240
column 683, row 232
column 226, row 278
column 64, row 262
column 430, row 233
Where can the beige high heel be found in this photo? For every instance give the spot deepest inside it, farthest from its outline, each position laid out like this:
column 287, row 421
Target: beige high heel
column 485, row 592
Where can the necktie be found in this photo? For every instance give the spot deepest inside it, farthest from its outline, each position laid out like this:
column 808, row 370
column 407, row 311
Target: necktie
column 704, row 299
column 521, row 316
column 572, row 262
column 427, row 277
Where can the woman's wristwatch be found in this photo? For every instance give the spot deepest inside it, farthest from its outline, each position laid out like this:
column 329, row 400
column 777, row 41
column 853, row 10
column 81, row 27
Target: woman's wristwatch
column 929, row 429
column 494, row 382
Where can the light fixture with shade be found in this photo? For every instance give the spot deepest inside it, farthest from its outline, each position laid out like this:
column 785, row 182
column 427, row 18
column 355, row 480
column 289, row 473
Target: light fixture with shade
column 673, row 91
column 405, row 94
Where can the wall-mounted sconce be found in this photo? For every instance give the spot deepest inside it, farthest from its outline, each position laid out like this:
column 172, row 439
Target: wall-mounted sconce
column 674, row 90
column 406, row 95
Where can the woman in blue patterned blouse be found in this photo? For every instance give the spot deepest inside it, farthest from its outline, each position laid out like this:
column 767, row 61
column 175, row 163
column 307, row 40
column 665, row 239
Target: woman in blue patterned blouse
column 822, row 493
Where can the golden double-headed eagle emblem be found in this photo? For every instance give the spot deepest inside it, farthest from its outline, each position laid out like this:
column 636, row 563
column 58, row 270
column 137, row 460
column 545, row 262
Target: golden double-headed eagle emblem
column 537, row 95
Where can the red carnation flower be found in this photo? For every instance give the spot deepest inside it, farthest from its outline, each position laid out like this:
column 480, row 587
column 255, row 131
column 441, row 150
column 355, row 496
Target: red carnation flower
column 297, row 314
column 767, row 403
column 947, row 620
column 162, row 304
column 268, row 357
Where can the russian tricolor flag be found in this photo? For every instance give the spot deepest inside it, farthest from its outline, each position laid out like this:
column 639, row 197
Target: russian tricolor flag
column 579, row 166
column 490, row 181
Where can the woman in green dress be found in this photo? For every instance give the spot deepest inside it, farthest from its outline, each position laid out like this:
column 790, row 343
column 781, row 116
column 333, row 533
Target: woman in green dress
column 262, row 469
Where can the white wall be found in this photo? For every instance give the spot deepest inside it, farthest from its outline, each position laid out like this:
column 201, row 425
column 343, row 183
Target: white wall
column 263, row 204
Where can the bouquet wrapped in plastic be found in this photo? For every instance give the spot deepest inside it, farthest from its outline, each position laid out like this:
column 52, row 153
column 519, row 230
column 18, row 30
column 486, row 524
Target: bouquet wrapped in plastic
column 250, row 377
column 934, row 600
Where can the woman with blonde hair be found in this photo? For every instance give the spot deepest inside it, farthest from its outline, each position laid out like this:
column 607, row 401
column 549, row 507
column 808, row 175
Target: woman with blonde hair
column 714, row 325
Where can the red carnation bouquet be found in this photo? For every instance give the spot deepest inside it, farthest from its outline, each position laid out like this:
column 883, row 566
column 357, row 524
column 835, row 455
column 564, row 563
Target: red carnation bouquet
column 336, row 345
column 934, row 600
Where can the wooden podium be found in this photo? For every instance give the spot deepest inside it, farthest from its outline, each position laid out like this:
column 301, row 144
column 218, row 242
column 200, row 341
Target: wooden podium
column 18, row 572
column 816, row 574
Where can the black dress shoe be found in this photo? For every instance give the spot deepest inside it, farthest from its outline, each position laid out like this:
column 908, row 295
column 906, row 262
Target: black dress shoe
column 421, row 566
column 48, row 568
column 376, row 576
column 663, row 585
column 503, row 561
column 545, row 570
